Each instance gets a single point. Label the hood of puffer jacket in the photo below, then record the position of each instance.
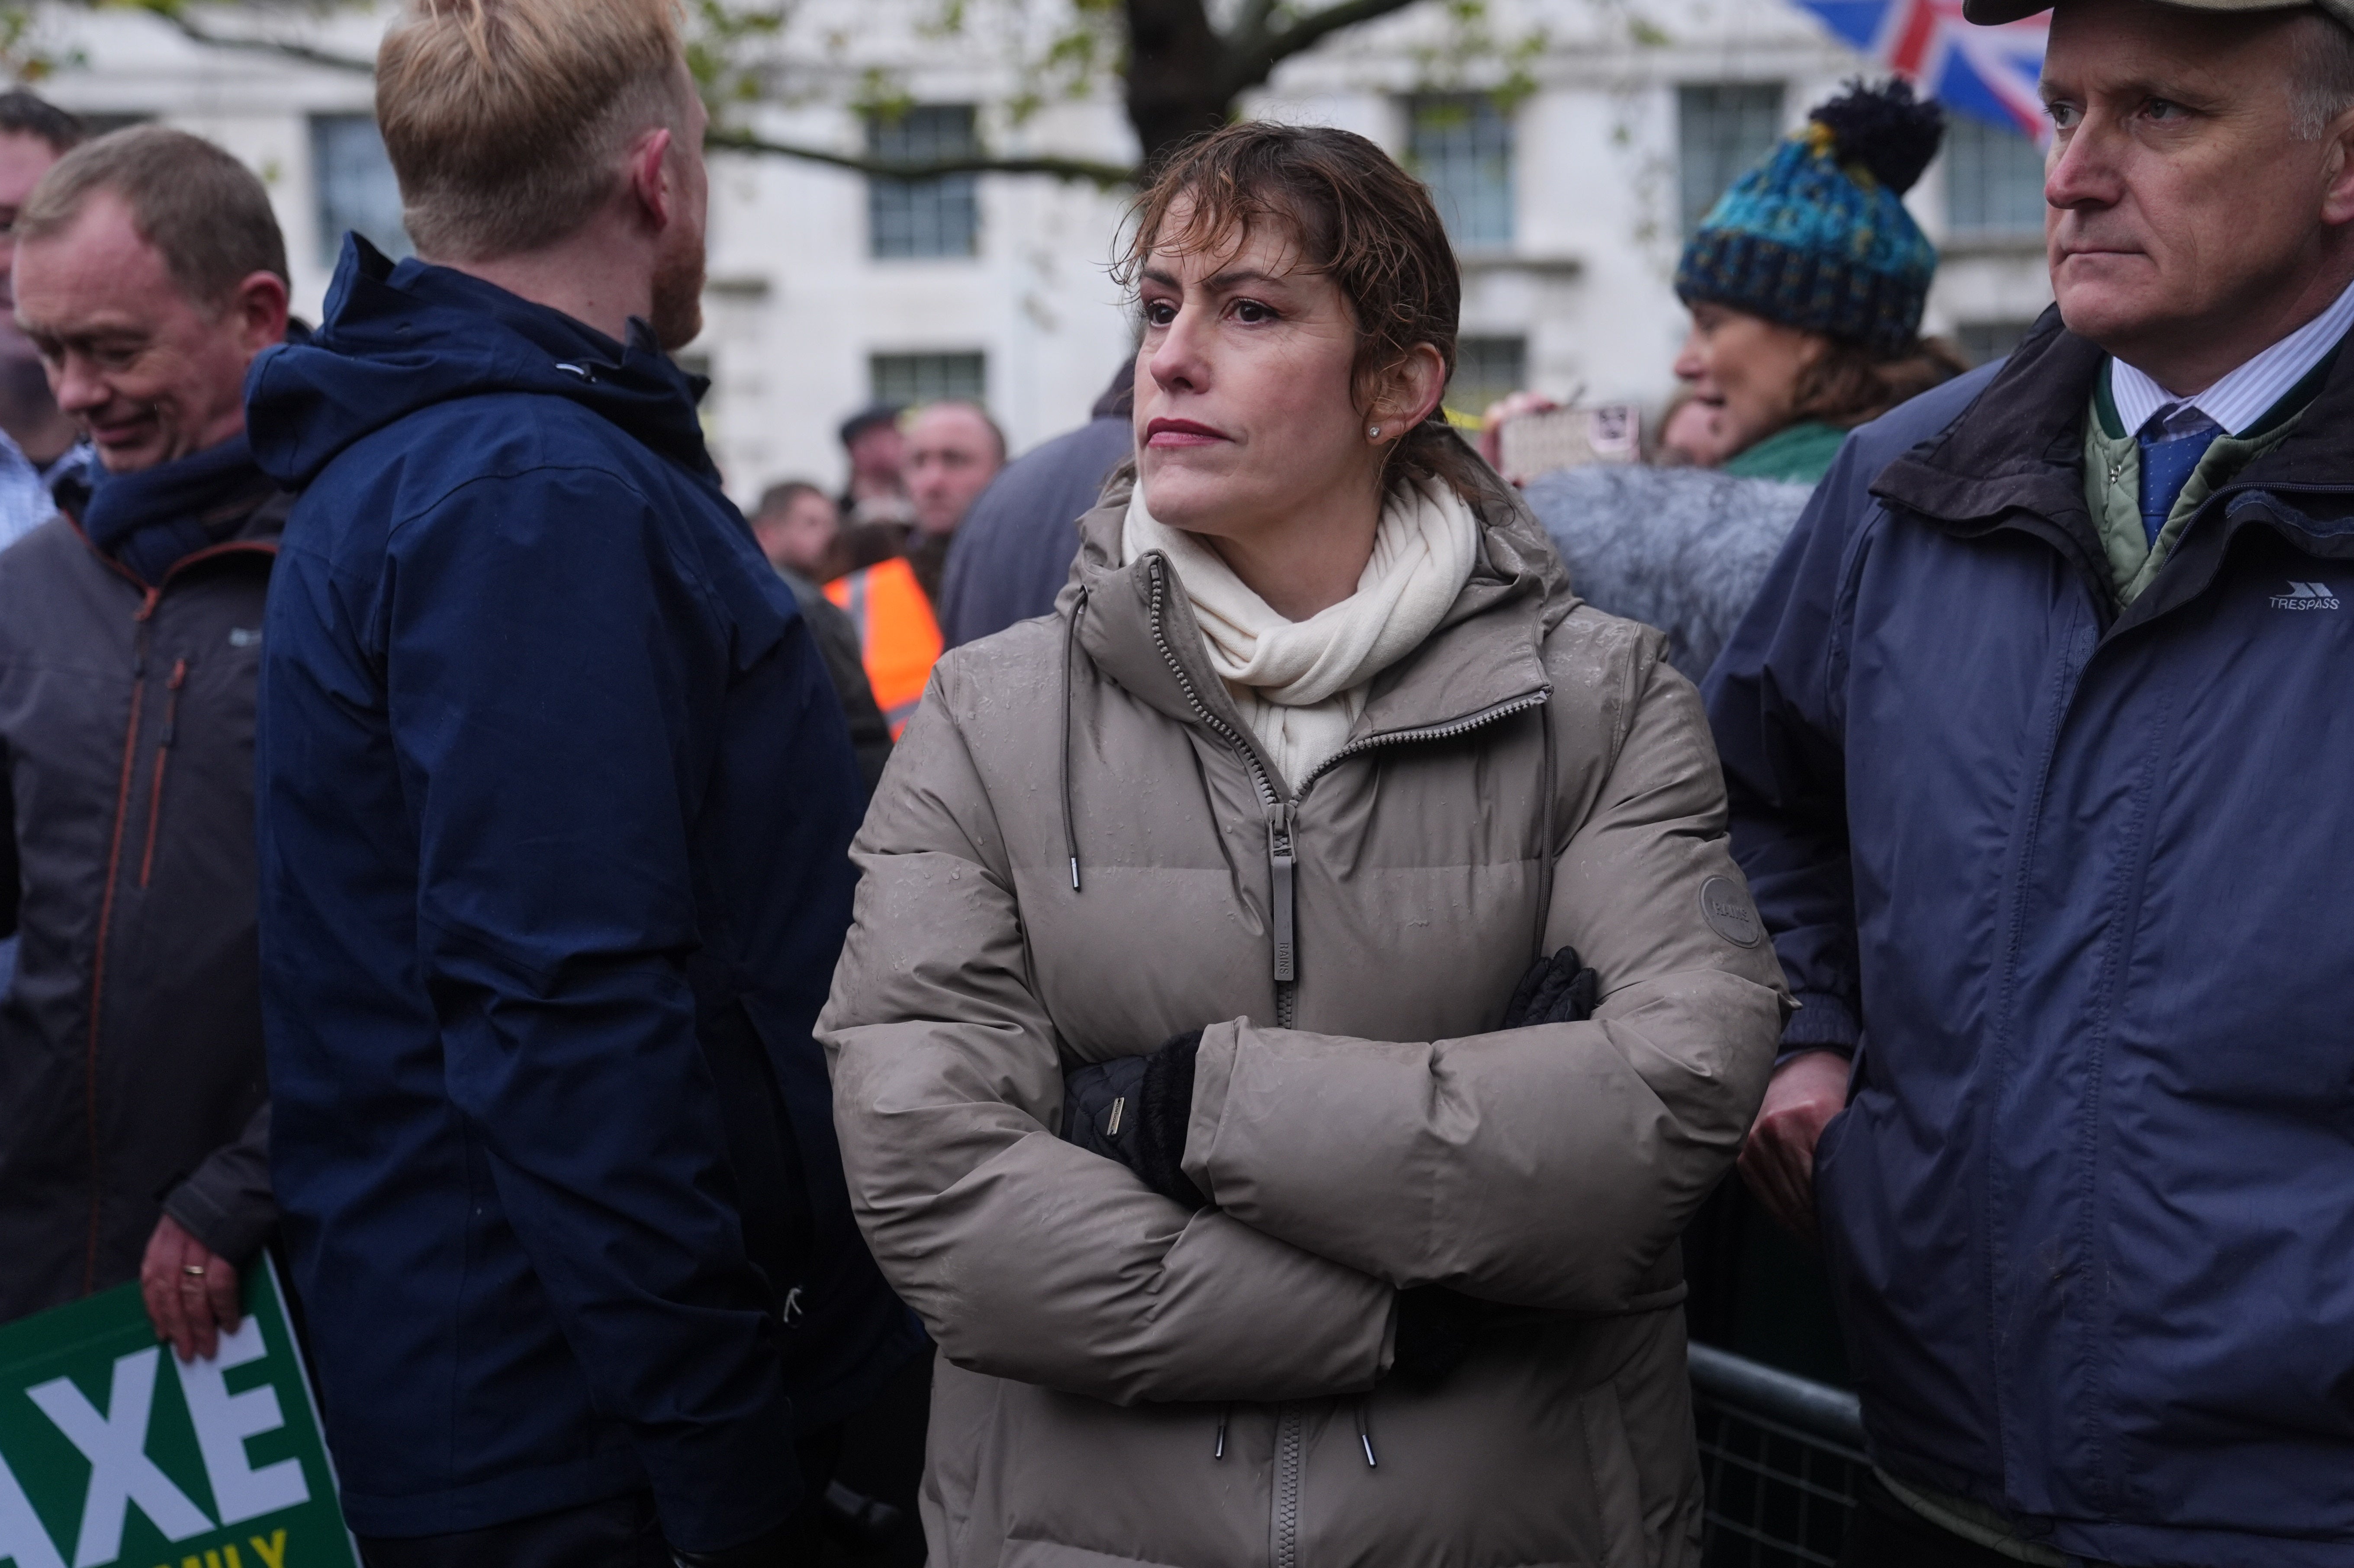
(1486, 651)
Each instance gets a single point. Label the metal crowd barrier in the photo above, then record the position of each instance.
(1782, 1459)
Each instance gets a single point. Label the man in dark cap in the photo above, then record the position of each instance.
(2038, 770)
(877, 491)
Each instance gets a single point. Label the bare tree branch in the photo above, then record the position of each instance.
(1250, 63)
(283, 48)
(1105, 176)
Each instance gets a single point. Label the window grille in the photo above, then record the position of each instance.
(1460, 145)
(1722, 128)
(354, 185)
(1994, 182)
(908, 379)
(937, 217)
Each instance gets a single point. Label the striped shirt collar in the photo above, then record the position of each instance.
(2243, 397)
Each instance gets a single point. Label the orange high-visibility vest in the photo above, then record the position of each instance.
(898, 641)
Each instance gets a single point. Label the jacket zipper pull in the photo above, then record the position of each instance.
(179, 678)
(1279, 868)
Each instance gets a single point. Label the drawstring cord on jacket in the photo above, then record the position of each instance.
(1545, 845)
(1070, 832)
(1225, 1413)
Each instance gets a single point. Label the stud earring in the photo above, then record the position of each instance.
(1374, 431)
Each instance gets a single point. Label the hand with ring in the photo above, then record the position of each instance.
(190, 1290)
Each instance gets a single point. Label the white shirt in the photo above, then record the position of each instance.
(2238, 401)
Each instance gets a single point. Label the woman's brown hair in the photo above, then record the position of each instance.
(1848, 385)
(1355, 218)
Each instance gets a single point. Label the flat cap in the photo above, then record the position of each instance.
(1994, 12)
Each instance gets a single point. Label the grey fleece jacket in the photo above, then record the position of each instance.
(1683, 550)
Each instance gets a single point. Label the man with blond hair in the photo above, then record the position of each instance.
(554, 800)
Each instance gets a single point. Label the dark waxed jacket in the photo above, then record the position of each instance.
(131, 1059)
(556, 797)
(2074, 877)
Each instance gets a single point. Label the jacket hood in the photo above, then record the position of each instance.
(401, 338)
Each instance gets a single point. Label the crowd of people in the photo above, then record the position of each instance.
(1196, 997)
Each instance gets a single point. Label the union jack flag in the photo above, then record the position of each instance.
(1988, 73)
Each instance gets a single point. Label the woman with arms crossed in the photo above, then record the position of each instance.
(1202, 1078)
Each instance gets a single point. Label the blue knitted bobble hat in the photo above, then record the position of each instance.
(1817, 236)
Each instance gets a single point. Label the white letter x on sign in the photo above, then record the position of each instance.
(121, 1473)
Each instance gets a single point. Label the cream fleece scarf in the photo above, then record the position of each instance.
(1302, 683)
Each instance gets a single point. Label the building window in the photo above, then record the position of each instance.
(1460, 145)
(938, 216)
(1486, 368)
(1722, 128)
(927, 378)
(357, 189)
(1984, 342)
(1994, 181)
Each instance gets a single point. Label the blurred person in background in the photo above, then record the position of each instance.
(1013, 553)
(953, 451)
(134, 1111)
(38, 439)
(800, 531)
(1692, 433)
(1215, 1070)
(556, 797)
(877, 490)
(1806, 284)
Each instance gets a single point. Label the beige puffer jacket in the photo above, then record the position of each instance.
(1124, 1383)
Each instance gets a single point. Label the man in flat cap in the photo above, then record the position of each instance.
(2040, 745)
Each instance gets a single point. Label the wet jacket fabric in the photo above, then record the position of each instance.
(2066, 871)
(1124, 1381)
(555, 797)
(131, 1078)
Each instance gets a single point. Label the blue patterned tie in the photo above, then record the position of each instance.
(2168, 457)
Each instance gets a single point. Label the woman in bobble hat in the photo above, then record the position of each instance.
(1806, 283)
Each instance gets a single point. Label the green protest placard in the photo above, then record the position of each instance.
(114, 1451)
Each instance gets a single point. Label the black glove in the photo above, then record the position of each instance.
(1558, 990)
(1436, 1330)
(1135, 1110)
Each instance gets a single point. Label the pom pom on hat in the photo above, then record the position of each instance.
(1885, 128)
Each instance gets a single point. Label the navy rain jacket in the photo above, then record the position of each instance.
(555, 797)
(2074, 879)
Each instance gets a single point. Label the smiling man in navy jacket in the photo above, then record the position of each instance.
(554, 800)
(2039, 749)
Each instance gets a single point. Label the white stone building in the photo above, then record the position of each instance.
(1568, 203)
